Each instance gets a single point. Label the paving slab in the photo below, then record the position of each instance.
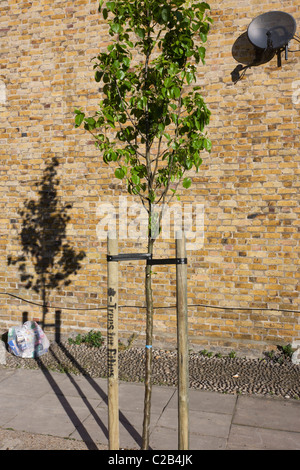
(200, 422)
(207, 401)
(10, 406)
(31, 383)
(167, 438)
(254, 438)
(131, 396)
(54, 415)
(83, 386)
(271, 413)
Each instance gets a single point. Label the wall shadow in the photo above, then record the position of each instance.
(248, 55)
(47, 259)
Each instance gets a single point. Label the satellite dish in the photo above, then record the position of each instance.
(272, 31)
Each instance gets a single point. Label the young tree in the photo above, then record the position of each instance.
(151, 121)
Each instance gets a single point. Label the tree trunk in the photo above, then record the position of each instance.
(148, 358)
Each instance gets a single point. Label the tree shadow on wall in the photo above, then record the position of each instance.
(47, 260)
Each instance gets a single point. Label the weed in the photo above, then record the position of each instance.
(270, 354)
(203, 352)
(283, 353)
(92, 338)
(286, 350)
(206, 353)
(130, 340)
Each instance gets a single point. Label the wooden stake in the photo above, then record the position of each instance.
(182, 345)
(112, 345)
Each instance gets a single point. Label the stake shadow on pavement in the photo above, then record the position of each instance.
(86, 437)
(84, 434)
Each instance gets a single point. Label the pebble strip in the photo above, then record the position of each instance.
(277, 376)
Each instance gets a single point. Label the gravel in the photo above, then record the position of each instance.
(276, 376)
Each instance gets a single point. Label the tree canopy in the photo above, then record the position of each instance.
(151, 120)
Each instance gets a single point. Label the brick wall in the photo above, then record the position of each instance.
(249, 184)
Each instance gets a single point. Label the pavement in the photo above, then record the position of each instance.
(63, 409)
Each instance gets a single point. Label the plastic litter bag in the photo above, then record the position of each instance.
(28, 340)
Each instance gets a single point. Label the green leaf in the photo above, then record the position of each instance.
(110, 5)
(100, 5)
(135, 179)
(187, 183)
(188, 164)
(207, 144)
(120, 74)
(189, 77)
(109, 117)
(161, 127)
(165, 14)
(119, 173)
(140, 32)
(176, 92)
(116, 27)
(201, 51)
(90, 123)
(126, 61)
(98, 75)
(168, 82)
(79, 118)
(197, 161)
(203, 37)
